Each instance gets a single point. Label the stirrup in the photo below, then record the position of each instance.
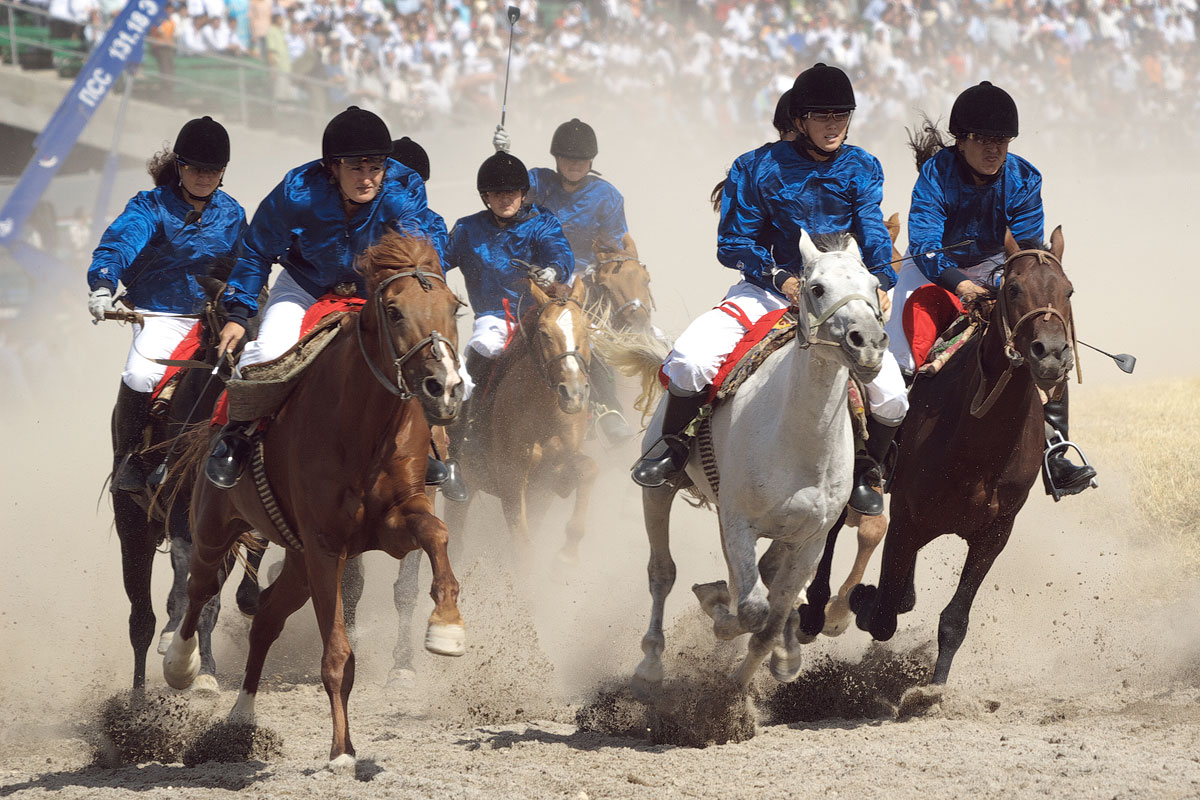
(613, 425)
(454, 487)
(1059, 447)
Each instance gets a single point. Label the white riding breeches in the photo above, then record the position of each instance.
(156, 337)
(488, 339)
(281, 322)
(908, 281)
(703, 347)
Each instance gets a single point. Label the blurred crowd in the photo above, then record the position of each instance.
(1086, 63)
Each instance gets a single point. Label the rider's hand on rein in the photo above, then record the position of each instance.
(100, 301)
(231, 334)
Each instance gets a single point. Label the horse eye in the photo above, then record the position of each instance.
(394, 314)
(817, 290)
(1013, 290)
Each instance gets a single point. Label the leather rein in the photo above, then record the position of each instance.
(399, 387)
(981, 405)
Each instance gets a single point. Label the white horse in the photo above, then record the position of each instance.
(783, 451)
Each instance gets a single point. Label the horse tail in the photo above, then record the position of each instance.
(635, 354)
(926, 140)
(191, 448)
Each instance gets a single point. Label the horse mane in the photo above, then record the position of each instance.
(925, 140)
(396, 250)
(831, 242)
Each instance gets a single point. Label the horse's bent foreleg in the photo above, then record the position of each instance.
(248, 588)
(584, 471)
(337, 661)
(445, 633)
(870, 533)
(785, 663)
(745, 586)
(656, 510)
(952, 627)
(138, 541)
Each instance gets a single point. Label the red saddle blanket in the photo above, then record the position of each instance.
(184, 351)
(325, 305)
(755, 334)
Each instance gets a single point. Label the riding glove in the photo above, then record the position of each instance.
(500, 140)
(100, 301)
(545, 276)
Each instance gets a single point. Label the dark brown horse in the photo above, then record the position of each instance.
(971, 446)
(345, 464)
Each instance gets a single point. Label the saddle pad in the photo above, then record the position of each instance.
(182, 352)
(771, 332)
(951, 340)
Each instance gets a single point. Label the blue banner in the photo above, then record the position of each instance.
(121, 47)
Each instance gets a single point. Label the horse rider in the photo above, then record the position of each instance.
(974, 189)
(315, 223)
(591, 210)
(492, 248)
(160, 244)
(816, 183)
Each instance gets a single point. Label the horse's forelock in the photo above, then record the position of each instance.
(396, 251)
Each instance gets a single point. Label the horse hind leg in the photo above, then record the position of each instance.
(138, 537)
(656, 511)
(248, 588)
(871, 531)
(404, 597)
(585, 471)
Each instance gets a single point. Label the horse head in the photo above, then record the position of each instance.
(623, 284)
(559, 344)
(412, 311)
(839, 306)
(1033, 302)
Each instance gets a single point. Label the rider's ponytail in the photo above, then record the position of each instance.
(926, 140)
(163, 168)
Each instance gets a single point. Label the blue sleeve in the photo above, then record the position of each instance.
(456, 248)
(868, 224)
(1026, 218)
(435, 226)
(742, 220)
(927, 225)
(124, 240)
(551, 249)
(612, 225)
(415, 216)
(266, 240)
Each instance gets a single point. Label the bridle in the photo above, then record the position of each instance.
(980, 405)
(540, 362)
(399, 388)
(629, 305)
(813, 323)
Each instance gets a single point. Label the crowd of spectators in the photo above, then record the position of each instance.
(1089, 62)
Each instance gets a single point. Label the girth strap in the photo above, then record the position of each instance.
(258, 469)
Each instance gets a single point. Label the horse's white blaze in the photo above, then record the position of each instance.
(243, 709)
(452, 377)
(566, 324)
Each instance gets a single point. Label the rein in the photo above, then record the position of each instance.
(399, 388)
(981, 405)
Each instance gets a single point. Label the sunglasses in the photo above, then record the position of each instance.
(372, 162)
(827, 116)
(191, 168)
(990, 141)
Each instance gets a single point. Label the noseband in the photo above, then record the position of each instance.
(399, 388)
(814, 323)
(540, 362)
(979, 405)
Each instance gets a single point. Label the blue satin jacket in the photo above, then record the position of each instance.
(593, 212)
(769, 198)
(484, 252)
(149, 249)
(948, 207)
(301, 224)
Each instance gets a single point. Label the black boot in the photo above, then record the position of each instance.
(229, 455)
(669, 454)
(1059, 475)
(868, 471)
(130, 416)
(454, 487)
(436, 471)
(610, 416)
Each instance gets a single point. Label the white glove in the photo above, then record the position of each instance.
(500, 140)
(99, 301)
(545, 276)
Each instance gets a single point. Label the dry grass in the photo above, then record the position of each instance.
(1151, 433)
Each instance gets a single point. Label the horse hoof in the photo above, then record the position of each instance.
(401, 679)
(862, 598)
(568, 557)
(343, 764)
(446, 640)
(837, 617)
(812, 621)
(164, 642)
(643, 689)
(205, 683)
(712, 595)
(784, 667)
(181, 664)
(918, 700)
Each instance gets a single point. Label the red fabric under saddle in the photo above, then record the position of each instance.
(184, 351)
(325, 305)
(755, 334)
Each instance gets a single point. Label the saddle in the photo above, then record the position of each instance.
(964, 328)
(160, 398)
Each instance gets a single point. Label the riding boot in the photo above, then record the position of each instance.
(454, 487)
(1059, 475)
(130, 417)
(480, 368)
(669, 455)
(229, 455)
(610, 417)
(868, 470)
(436, 471)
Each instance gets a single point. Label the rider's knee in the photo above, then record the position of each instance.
(143, 378)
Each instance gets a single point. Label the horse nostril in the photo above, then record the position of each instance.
(564, 394)
(1037, 349)
(433, 387)
(856, 339)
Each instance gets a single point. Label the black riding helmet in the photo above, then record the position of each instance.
(783, 114)
(576, 140)
(821, 88)
(985, 110)
(203, 143)
(411, 155)
(354, 133)
(502, 172)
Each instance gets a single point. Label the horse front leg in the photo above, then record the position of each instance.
(445, 633)
(871, 531)
(404, 597)
(337, 661)
(746, 588)
(785, 588)
(584, 471)
(138, 541)
(656, 510)
(952, 626)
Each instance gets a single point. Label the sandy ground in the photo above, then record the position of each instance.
(1080, 676)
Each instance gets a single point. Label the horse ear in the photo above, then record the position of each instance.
(852, 248)
(893, 226)
(1010, 244)
(540, 297)
(808, 251)
(1056, 243)
(578, 291)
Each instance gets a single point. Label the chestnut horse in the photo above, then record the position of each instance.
(345, 462)
(618, 290)
(531, 433)
(971, 446)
